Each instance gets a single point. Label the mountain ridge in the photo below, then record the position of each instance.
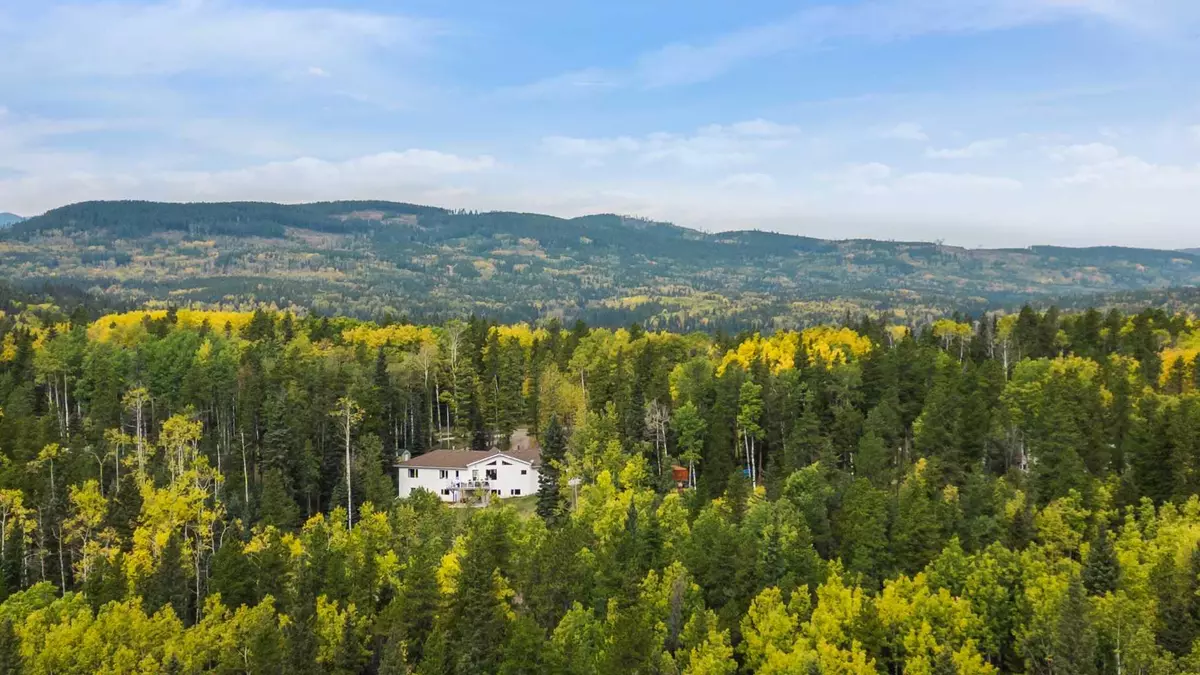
(376, 257)
(7, 219)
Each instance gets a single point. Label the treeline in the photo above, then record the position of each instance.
(978, 495)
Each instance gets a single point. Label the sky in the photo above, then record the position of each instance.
(975, 122)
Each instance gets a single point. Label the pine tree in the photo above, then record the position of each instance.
(395, 658)
(943, 663)
(275, 504)
(106, 582)
(376, 484)
(479, 625)
(232, 575)
(10, 649)
(1075, 646)
(1101, 571)
(168, 583)
(554, 451)
(861, 525)
(523, 652)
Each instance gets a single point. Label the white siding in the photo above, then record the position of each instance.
(429, 479)
(513, 478)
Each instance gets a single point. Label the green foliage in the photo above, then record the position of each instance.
(1015, 495)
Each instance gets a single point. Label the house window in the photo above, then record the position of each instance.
(443, 474)
(412, 473)
(523, 472)
(446, 493)
(456, 474)
(514, 493)
(490, 474)
(506, 463)
(496, 492)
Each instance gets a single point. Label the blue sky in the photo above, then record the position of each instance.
(979, 122)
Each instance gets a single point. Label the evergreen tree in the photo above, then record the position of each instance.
(1075, 647)
(10, 649)
(861, 525)
(106, 583)
(232, 574)
(554, 452)
(943, 663)
(477, 618)
(523, 652)
(275, 504)
(395, 659)
(1101, 571)
(168, 584)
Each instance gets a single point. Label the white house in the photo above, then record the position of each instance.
(458, 475)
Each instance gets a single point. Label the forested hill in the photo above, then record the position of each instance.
(374, 258)
(7, 219)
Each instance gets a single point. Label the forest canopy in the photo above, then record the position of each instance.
(187, 491)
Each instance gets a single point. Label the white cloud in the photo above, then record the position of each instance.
(414, 174)
(856, 174)
(125, 39)
(684, 63)
(712, 145)
(755, 181)
(1085, 153)
(875, 178)
(1194, 132)
(939, 182)
(976, 150)
(568, 146)
(317, 71)
(567, 85)
(906, 131)
(1134, 173)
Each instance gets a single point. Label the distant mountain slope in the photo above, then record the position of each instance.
(1193, 251)
(7, 219)
(369, 258)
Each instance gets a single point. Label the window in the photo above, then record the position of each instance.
(412, 473)
(491, 464)
(446, 493)
(514, 493)
(490, 474)
(443, 474)
(506, 463)
(523, 472)
(496, 492)
(456, 474)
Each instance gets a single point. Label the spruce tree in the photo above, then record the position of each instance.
(168, 583)
(10, 649)
(1101, 571)
(106, 582)
(232, 574)
(1075, 646)
(943, 663)
(275, 504)
(554, 451)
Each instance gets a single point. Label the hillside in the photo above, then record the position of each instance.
(370, 258)
(7, 219)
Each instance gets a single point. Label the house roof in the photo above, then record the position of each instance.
(446, 459)
(522, 447)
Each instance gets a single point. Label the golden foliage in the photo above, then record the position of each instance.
(128, 328)
(401, 337)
